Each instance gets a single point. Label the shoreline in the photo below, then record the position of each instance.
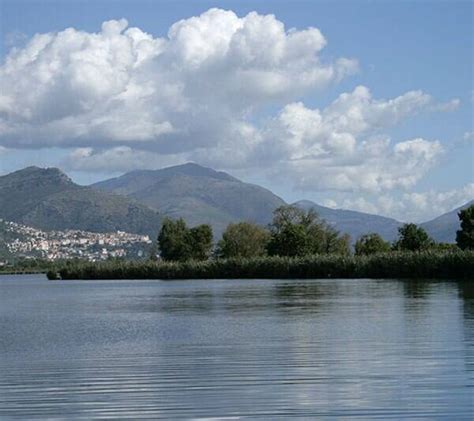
(410, 265)
(25, 272)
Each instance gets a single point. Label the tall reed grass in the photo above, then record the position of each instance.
(427, 264)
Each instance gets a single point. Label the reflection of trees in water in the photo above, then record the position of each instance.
(303, 296)
(416, 294)
(182, 301)
(266, 296)
(296, 292)
(414, 297)
(300, 297)
(419, 289)
(466, 294)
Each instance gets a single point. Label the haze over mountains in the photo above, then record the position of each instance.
(137, 201)
(444, 227)
(353, 222)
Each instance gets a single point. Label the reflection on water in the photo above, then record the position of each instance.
(236, 349)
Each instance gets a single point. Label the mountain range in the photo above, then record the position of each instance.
(50, 200)
(137, 201)
(444, 227)
(197, 194)
(354, 223)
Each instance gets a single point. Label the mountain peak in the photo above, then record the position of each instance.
(34, 173)
(47, 198)
(196, 170)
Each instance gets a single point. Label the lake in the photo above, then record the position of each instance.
(236, 349)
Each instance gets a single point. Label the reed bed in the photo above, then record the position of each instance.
(426, 264)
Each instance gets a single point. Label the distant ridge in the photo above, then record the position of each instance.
(444, 227)
(47, 198)
(197, 194)
(136, 202)
(354, 223)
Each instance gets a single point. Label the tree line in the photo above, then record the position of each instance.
(295, 232)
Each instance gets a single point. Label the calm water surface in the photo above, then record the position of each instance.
(236, 349)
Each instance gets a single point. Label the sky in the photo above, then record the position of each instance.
(364, 105)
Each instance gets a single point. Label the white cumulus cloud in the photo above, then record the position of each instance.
(206, 92)
(175, 93)
(343, 147)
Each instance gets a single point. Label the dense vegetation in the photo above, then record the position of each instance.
(371, 244)
(465, 236)
(177, 242)
(413, 238)
(297, 245)
(243, 240)
(295, 232)
(34, 265)
(426, 264)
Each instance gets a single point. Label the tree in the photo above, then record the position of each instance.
(335, 243)
(173, 240)
(465, 236)
(412, 238)
(287, 215)
(292, 240)
(370, 244)
(295, 232)
(177, 242)
(243, 239)
(201, 242)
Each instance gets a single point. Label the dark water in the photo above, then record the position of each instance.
(236, 349)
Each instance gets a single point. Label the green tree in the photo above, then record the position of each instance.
(334, 243)
(295, 232)
(412, 238)
(370, 244)
(173, 240)
(465, 236)
(243, 239)
(177, 242)
(200, 238)
(292, 240)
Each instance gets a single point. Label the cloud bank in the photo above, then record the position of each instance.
(219, 89)
(122, 86)
(418, 207)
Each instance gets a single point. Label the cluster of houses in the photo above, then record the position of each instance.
(29, 242)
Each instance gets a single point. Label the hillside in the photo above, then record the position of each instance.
(48, 199)
(444, 227)
(7, 235)
(197, 194)
(354, 223)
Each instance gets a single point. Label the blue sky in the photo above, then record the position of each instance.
(399, 47)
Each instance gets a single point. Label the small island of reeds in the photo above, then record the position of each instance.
(426, 264)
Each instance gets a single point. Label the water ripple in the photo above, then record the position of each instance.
(236, 350)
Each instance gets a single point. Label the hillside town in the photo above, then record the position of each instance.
(28, 242)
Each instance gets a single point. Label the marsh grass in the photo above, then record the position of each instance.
(426, 264)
